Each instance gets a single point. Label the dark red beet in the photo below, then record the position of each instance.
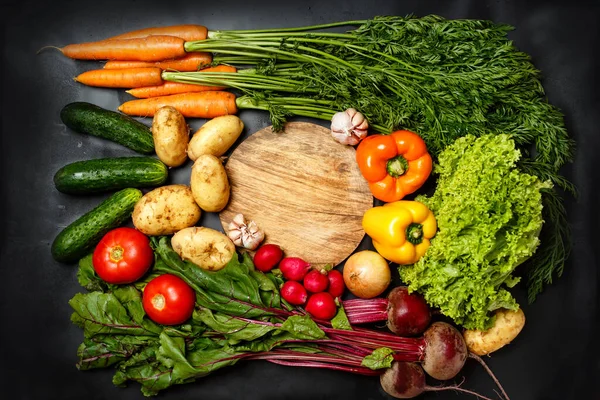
(405, 380)
(321, 306)
(294, 268)
(336, 283)
(316, 281)
(445, 351)
(408, 313)
(294, 293)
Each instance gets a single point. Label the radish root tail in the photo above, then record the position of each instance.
(490, 373)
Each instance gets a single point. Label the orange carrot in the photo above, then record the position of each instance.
(191, 62)
(151, 48)
(121, 78)
(168, 88)
(191, 105)
(186, 32)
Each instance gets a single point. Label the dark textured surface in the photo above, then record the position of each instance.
(553, 358)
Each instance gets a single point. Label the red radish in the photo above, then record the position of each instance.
(267, 257)
(336, 283)
(316, 281)
(294, 268)
(294, 293)
(407, 314)
(321, 306)
(405, 380)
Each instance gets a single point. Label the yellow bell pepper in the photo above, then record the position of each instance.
(400, 230)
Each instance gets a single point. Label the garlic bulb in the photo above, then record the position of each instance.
(245, 234)
(349, 127)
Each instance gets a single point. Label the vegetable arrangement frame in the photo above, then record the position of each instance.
(364, 386)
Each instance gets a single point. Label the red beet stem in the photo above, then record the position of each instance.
(313, 364)
(364, 311)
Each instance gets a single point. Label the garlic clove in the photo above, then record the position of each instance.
(349, 127)
(245, 234)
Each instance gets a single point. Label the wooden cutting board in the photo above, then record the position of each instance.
(303, 188)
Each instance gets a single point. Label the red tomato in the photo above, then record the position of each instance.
(122, 256)
(168, 300)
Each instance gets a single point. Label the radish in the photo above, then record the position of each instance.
(294, 268)
(316, 281)
(406, 314)
(321, 306)
(294, 293)
(267, 257)
(405, 380)
(336, 283)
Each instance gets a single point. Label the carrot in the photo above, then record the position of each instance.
(186, 32)
(191, 62)
(121, 78)
(168, 88)
(151, 48)
(191, 105)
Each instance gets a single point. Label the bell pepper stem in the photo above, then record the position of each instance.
(414, 233)
(397, 166)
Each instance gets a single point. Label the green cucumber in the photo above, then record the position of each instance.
(77, 239)
(108, 174)
(120, 128)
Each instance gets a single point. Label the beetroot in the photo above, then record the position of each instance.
(321, 306)
(405, 380)
(267, 257)
(336, 283)
(294, 293)
(445, 351)
(316, 281)
(294, 268)
(407, 314)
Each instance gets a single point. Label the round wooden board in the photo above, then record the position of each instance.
(303, 188)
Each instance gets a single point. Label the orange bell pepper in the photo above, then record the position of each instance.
(395, 165)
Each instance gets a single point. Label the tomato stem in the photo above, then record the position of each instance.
(158, 301)
(116, 254)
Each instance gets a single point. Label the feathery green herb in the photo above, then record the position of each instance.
(443, 79)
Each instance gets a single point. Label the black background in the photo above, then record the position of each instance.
(553, 358)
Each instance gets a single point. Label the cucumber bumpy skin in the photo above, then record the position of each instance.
(88, 118)
(74, 242)
(109, 174)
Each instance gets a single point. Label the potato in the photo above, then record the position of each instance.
(215, 137)
(507, 326)
(171, 136)
(209, 183)
(207, 248)
(166, 210)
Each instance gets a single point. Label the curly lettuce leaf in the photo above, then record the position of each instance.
(489, 217)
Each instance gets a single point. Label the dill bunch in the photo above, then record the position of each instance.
(441, 78)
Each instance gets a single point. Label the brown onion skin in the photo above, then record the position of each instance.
(445, 351)
(408, 313)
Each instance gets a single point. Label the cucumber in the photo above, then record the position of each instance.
(120, 128)
(77, 239)
(108, 174)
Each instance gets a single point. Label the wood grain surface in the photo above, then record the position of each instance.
(303, 188)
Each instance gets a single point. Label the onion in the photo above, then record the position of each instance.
(367, 274)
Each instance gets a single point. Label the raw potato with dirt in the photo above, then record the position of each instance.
(166, 210)
(216, 136)
(171, 136)
(209, 182)
(207, 248)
